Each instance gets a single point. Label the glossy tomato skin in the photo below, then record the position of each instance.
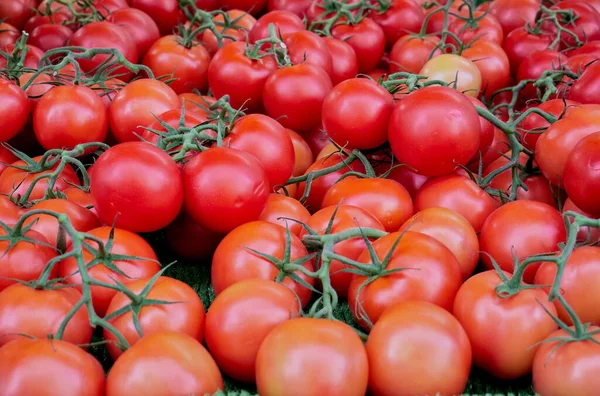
(240, 318)
(254, 7)
(232, 73)
(433, 129)
(585, 234)
(456, 71)
(303, 156)
(50, 36)
(70, 115)
(191, 241)
(329, 353)
(67, 369)
(139, 26)
(17, 12)
(32, 57)
(402, 18)
(245, 22)
(297, 7)
(435, 276)
(149, 367)
(294, 96)
(218, 204)
(413, 337)
(488, 29)
(356, 113)
(521, 228)
(165, 13)
(137, 185)
(514, 14)
(8, 34)
(233, 262)
(307, 47)
(534, 65)
(409, 54)
(367, 39)
(519, 43)
(188, 66)
(124, 243)
(15, 109)
(493, 64)
(534, 125)
(586, 26)
(345, 63)
(285, 23)
(486, 132)
(567, 369)
(503, 331)
(585, 88)
(281, 208)
(184, 314)
(39, 313)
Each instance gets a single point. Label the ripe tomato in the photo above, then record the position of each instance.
(409, 179)
(456, 71)
(218, 204)
(584, 89)
(165, 13)
(294, 96)
(344, 61)
(434, 129)
(183, 313)
(254, 7)
(191, 241)
(284, 22)
(435, 22)
(297, 7)
(188, 66)
(8, 34)
(367, 39)
(245, 22)
(50, 36)
(140, 27)
(172, 118)
(534, 65)
(585, 23)
(148, 368)
(17, 12)
(233, 73)
(486, 28)
(198, 104)
(15, 109)
(233, 262)
(585, 234)
(7, 158)
(329, 353)
(38, 87)
(67, 369)
(303, 157)
(534, 125)
(567, 368)
(39, 313)
(283, 210)
(486, 129)
(124, 243)
(307, 47)
(407, 341)
(514, 14)
(581, 176)
(356, 113)
(400, 19)
(493, 64)
(521, 228)
(503, 331)
(519, 43)
(431, 273)
(240, 318)
(386, 199)
(139, 204)
(32, 57)
(409, 54)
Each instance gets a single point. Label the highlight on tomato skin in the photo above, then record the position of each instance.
(340, 197)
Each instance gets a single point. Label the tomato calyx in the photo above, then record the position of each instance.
(15, 61)
(558, 19)
(336, 12)
(271, 45)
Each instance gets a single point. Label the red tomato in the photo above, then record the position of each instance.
(514, 14)
(81, 198)
(585, 88)
(302, 153)
(409, 54)
(500, 145)
(486, 129)
(137, 104)
(586, 23)
(486, 28)
(317, 139)
(434, 129)
(297, 7)
(504, 332)
(165, 13)
(218, 204)
(191, 241)
(280, 209)
(188, 66)
(242, 19)
(107, 91)
(519, 43)
(67, 369)
(414, 337)
(140, 27)
(39, 313)
(402, 18)
(7, 158)
(149, 368)
(585, 234)
(521, 228)
(409, 179)
(367, 39)
(138, 186)
(173, 119)
(581, 175)
(492, 62)
(38, 87)
(284, 22)
(329, 353)
(14, 111)
(435, 22)
(50, 36)
(254, 7)
(459, 194)
(345, 63)
(17, 12)
(240, 318)
(534, 65)
(198, 104)
(431, 273)
(534, 125)
(8, 33)
(294, 96)
(307, 47)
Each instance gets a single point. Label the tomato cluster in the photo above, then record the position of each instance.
(392, 195)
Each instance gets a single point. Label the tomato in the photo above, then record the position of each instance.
(191, 241)
(486, 129)
(297, 7)
(242, 19)
(585, 234)
(431, 273)
(317, 139)
(17, 12)
(188, 66)
(283, 210)
(8, 34)
(519, 43)
(294, 96)
(503, 331)
(173, 119)
(456, 71)
(414, 337)
(66, 369)
(240, 318)
(124, 243)
(402, 18)
(50, 36)
(486, 28)
(254, 7)
(81, 198)
(459, 194)
(140, 27)
(534, 65)
(7, 158)
(591, 47)
(105, 35)
(330, 355)
(165, 13)
(534, 125)
(302, 153)
(409, 54)
(218, 204)
(139, 204)
(197, 104)
(584, 88)
(367, 39)
(137, 104)
(183, 312)
(232, 73)
(409, 179)
(434, 122)
(344, 61)
(567, 368)
(39, 313)
(435, 22)
(452, 230)
(581, 176)
(522, 229)
(493, 64)
(148, 368)
(585, 23)
(307, 47)
(15, 109)
(514, 14)
(284, 22)
(21, 179)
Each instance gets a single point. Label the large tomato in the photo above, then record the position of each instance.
(534, 125)
(409, 54)
(240, 318)
(17, 12)
(581, 176)
(235, 259)
(50, 368)
(485, 28)
(503, 331)
(307, 47)
(14, 111)
(330, 355)
(519, 43)
(165, 13)
(367, 39)
(534, 65)
(513, 14)
(284, 23)
(457, 71)
(493, 64)
(283, 210)
(400, 19)
(49, 36)
(343, 56)
(585, 88)
(140, 27)
(585, 23)
(414, 337)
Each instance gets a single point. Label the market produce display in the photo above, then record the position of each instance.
(299, 197)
